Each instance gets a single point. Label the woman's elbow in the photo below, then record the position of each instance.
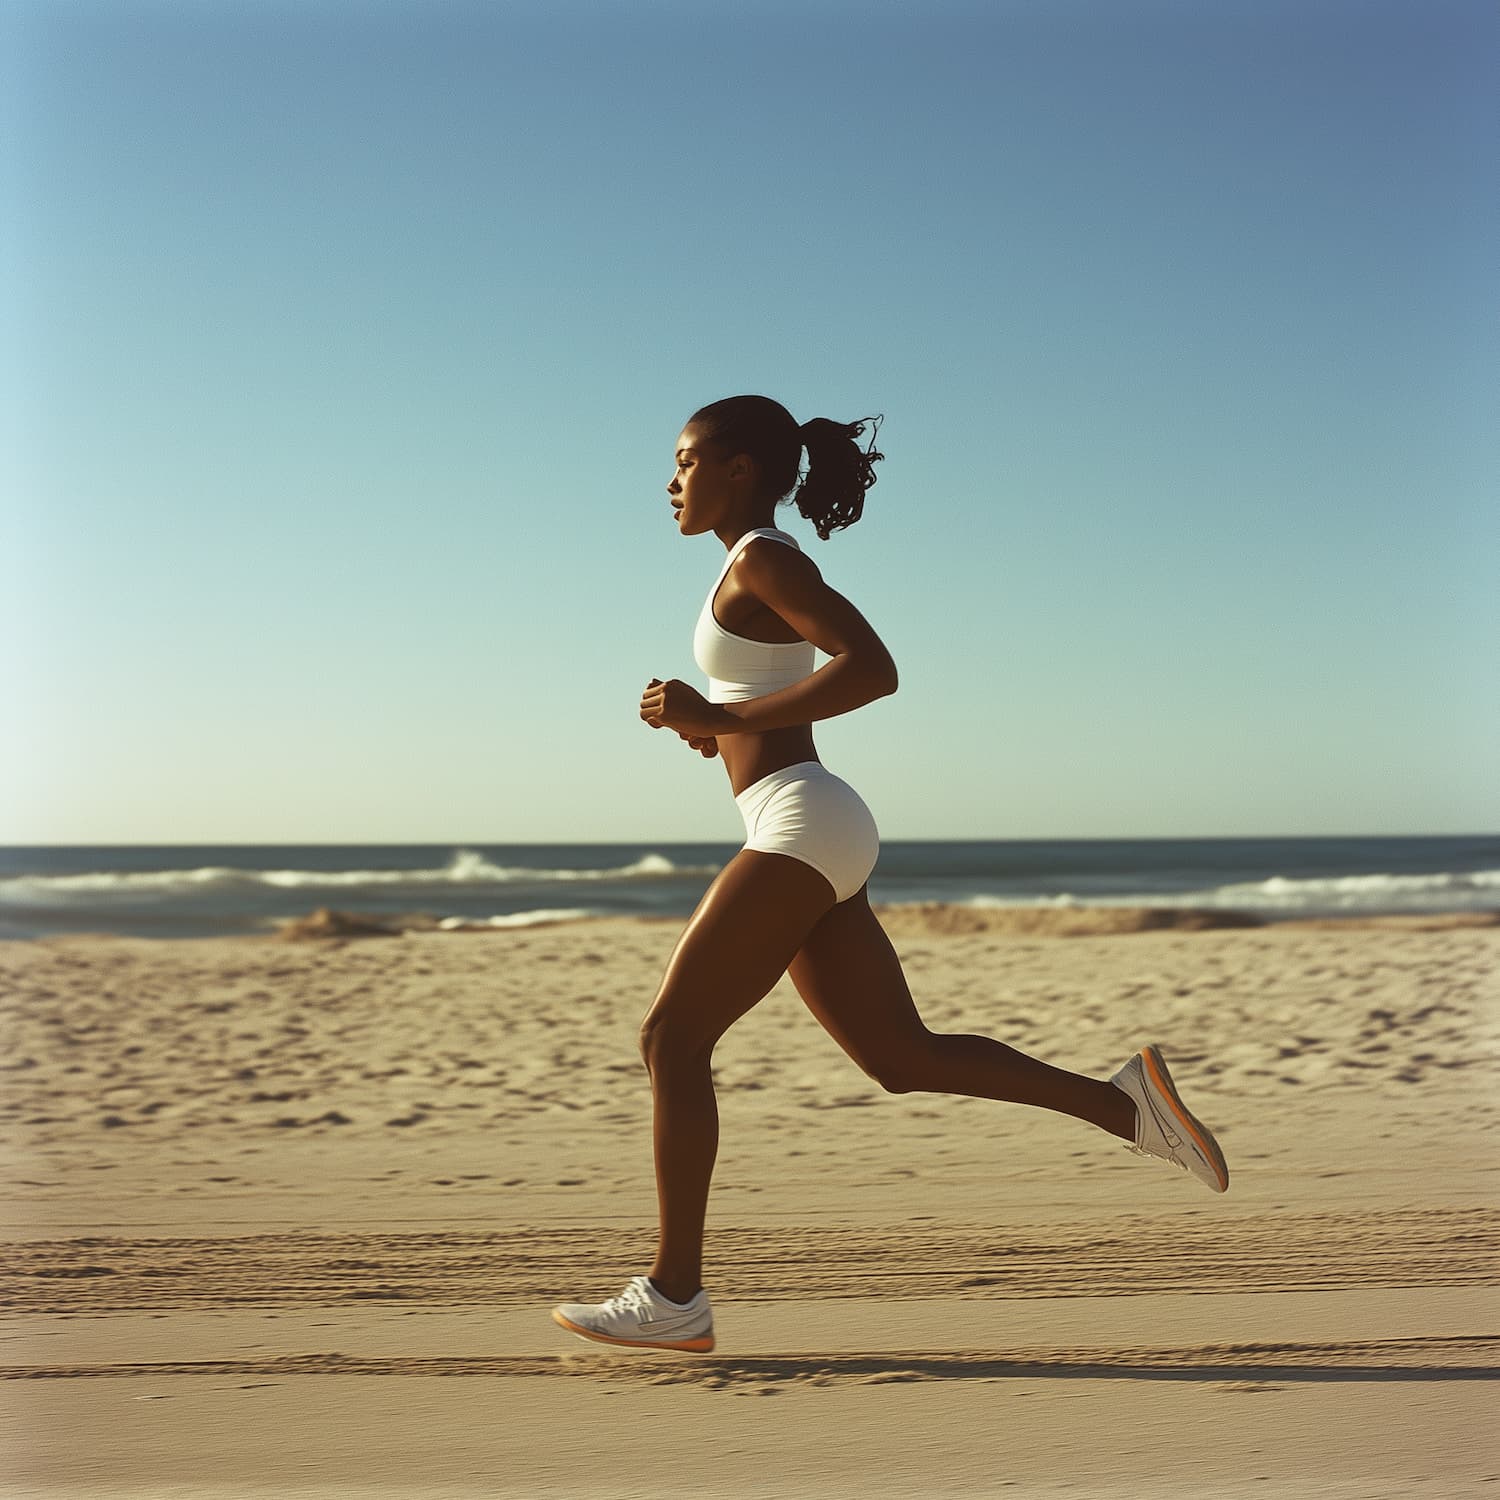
(873, 669)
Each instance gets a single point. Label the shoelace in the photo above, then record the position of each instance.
(634, 1299)
(1181, 1166)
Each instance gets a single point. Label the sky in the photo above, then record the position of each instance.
(344, 347)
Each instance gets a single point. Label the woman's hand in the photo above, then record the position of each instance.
(675, 705)
(706, 745)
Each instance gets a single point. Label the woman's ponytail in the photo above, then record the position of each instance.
(832, 490)
(839, 471)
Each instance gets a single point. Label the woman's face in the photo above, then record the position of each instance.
(704, 486)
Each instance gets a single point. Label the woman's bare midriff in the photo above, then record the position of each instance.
(749, 757)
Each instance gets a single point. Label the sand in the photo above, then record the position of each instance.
(261, 1194)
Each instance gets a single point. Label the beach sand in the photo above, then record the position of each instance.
(261, 1193)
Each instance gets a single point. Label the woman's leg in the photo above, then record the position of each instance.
(756, 915)
(849, 975)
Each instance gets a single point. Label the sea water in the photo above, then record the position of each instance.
(185, 891)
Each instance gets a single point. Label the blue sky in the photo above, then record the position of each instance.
(345, 348)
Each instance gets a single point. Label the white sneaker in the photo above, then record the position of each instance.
(1163, 1126)
(641, 1317)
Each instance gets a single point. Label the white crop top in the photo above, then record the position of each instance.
(737, 667)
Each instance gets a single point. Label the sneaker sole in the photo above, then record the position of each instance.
(703, 1344)
(1161, 1081)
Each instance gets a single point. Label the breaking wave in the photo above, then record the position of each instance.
(1445, 891)
(466, 867)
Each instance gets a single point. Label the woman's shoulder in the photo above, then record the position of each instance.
(768, 563)
(779, 546)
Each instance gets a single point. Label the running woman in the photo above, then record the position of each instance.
(794, 899)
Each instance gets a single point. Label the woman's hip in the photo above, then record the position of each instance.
(806, 811)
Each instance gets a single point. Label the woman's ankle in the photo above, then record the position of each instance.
(678, 1289)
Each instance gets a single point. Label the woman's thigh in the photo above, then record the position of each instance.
(850, 977)
(751, 921)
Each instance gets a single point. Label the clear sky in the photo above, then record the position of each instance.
(345, 346)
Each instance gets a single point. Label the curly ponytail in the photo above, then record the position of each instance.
(832, 492)
(839, 471)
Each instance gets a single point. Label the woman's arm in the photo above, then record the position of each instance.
(861, 670)
(789, 582)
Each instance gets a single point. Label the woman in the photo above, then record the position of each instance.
(794, 898)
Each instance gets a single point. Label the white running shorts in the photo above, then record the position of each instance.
(806, 811)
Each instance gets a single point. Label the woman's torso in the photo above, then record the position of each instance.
(744, 622)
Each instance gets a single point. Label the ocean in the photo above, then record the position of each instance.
(199, 891)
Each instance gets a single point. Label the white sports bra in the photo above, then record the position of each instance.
(737, 667)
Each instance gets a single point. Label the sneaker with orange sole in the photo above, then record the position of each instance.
(641, 1318)
(1164, 1128)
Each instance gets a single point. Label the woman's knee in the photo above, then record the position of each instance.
(666, 1042)
(903, 1070)
(652, 1039)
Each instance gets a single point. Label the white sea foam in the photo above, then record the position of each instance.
(58, 889)
(519, 918)
(466, 867)
(1354, 893)
(1357, 892)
